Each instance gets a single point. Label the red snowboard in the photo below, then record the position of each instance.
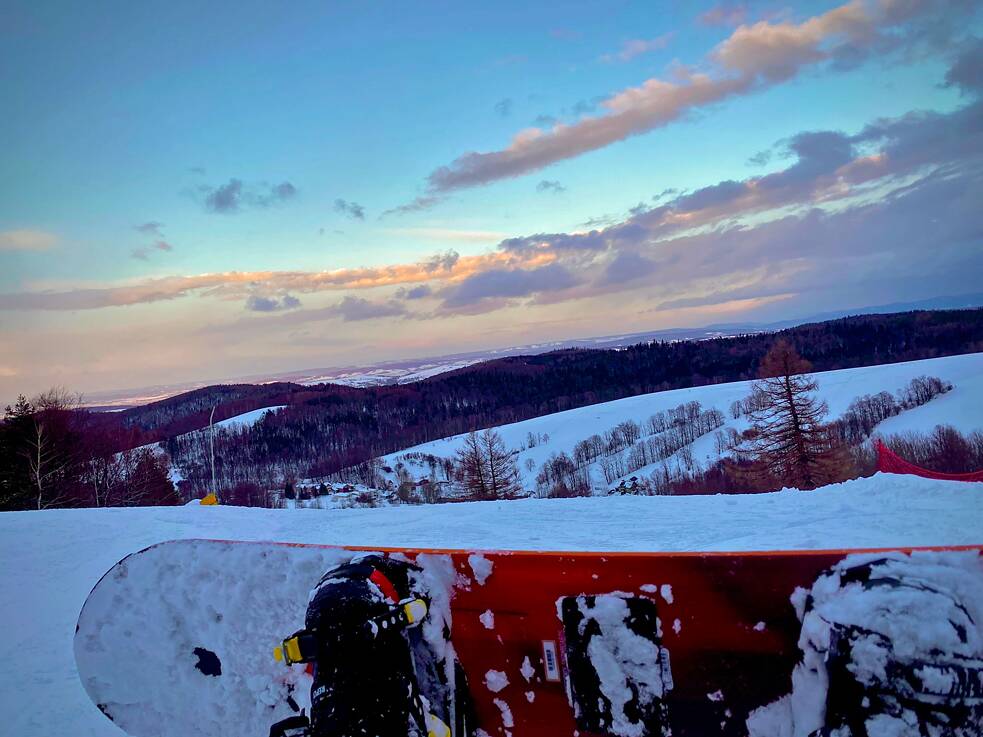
(551, 643)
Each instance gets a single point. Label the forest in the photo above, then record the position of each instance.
(326, 428)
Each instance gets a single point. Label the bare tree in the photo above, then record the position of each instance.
(471, 462)
(46, 451)
(502, 472)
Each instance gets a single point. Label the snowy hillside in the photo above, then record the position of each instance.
(539, 438)
(53, 558)
(247, 419)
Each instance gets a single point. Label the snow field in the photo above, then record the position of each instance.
(52, 559)
(247, 419)
(961, 408)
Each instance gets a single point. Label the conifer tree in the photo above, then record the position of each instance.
(488, 469)
(502, 472)
(471, 462)
(790, 442)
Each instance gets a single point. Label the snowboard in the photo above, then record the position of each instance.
(178, 640)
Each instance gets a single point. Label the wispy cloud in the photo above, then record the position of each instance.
(26, 239)
(144, 252)
(724, 15)
(356, 309)
(259, 303)
(235, 195)
(149, 228)
(424, 202)
(550, 185)
(504, 107)
(897, 199)
(752, 58)
(449, 234)
(508, 283)
(351, 210)
(447, 267)
(637, 46)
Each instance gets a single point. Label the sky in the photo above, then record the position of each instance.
(203, 191)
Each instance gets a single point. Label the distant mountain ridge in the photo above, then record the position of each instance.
(327, 427)
(405, 371)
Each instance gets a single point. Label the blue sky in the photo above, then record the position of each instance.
(277, 143)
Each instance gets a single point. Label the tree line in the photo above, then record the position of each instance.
(329, 429)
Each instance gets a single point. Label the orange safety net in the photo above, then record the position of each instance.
(890, 462)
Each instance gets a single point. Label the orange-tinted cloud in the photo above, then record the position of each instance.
(751, 58)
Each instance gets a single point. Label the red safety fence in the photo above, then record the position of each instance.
(890, 462)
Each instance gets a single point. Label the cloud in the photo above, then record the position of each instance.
(149, 228)
(897, 200)
(967, 71)
(504, 107)
(752, 58)
(143, 253)
(508, 283)
(448, 267)
(26, 239)
(550, 185)
(636, 47)
(762, 158)
(424, 202)
(234, 195)
(199, 170)
(450, 234)
(724, 15)
(441, 262)
(420, 292)
(351, 210)
(258, 303)
(545, 120)
(582, 107)
(225, 198)
(625, 267)
(356, 309)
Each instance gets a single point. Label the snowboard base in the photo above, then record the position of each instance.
(178, 639)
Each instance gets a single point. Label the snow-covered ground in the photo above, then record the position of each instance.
(51, 559)
(560, 432)
(247, 419)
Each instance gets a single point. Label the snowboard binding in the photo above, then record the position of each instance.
(877, 671)
(373, 671)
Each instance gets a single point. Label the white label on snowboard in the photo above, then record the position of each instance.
(551, 666)
(666, 668)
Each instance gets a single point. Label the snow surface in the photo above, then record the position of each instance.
(247, 419)
(560, 432)
(52, 559)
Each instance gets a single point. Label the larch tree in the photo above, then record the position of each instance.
(471, 464)
(487, 468)
(789, 441)
(502, 471)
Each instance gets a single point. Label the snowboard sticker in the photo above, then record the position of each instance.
(178, 639)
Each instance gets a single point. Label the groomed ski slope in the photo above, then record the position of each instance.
(961, 408)
(52, 559)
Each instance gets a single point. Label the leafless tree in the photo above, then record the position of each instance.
(46, 453)
(502, 472)
(790, 442)
(471, 464)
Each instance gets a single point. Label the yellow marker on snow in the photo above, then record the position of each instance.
(210, 500)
